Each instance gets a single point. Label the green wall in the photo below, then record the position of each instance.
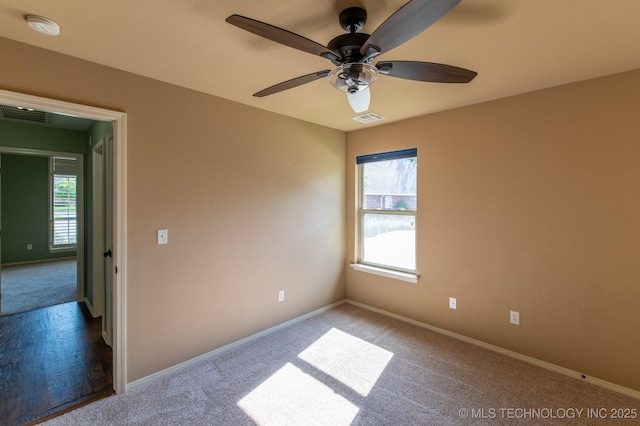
(25, 209)
(18, 135)
(24, 189)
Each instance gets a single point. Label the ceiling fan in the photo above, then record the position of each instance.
(353, 53)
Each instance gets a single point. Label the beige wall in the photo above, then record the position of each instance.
(530, 203)
(254, 203)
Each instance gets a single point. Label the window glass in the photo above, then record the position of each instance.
(389, 240)
(64, 219)
(388, 211)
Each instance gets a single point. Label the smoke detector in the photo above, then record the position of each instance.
(43, 25)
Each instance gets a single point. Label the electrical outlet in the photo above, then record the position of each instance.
(29, 246)
(281, 296)
(452, 303)
(515, 318)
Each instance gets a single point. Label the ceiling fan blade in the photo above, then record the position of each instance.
(406, 23)
(290, 84)
(359, 100)
(426, 71)
(282, 36)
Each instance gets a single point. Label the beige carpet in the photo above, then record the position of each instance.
(349, 366)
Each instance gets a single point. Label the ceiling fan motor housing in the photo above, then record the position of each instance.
(348, 46)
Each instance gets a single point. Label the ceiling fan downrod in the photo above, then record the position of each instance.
(347, 46)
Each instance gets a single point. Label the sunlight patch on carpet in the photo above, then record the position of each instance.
(350, 360)
(290, 396)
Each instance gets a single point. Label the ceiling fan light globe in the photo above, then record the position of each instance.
(353, 77)
(359, 100)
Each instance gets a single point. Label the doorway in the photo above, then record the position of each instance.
(47, 322)
(117, 262)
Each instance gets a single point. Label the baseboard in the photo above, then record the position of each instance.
(90, 307)
(226, 348)
(29, 262)
(543, 364)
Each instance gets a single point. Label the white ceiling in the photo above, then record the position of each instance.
(516, 46)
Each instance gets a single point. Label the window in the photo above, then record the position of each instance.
(63, 230)
(387, 210)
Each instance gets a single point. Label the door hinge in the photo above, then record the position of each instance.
(116, 269)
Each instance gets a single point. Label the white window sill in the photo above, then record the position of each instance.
(402, 276)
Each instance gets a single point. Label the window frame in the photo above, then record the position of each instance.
(66, 172)
(373, 267)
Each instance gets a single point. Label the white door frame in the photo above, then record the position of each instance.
(119, 120)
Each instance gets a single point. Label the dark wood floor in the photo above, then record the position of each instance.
(51, 359)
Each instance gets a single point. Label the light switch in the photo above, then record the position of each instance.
(163, 236)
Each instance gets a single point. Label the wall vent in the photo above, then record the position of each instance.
(23, 114)
(369, 117)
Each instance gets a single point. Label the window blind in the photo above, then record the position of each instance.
(385, 156)
(64, 166)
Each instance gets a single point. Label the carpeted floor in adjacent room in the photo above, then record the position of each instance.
(36, 285)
